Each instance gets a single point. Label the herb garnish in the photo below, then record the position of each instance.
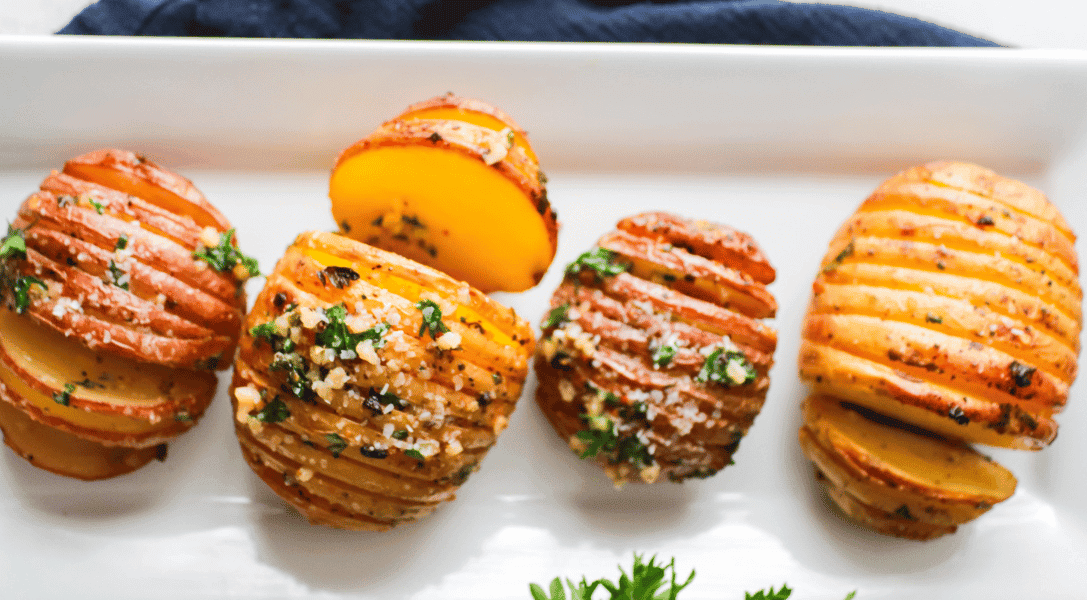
(336, 444)
(400, 434)
(117, 276)
(556, 316)
(931, 318)
(122, 242)
(273, 412)
(14, 244)
(603, 437)
(727, 367)
(335, 334)
(225, 256)
(98, 208)
(837, 262)
(21, 290)
(601, 261)
(63, 397)
(413, 453)
(297, 383)
(432, 319)
(781, 594)
(663, 355)
(646, 581)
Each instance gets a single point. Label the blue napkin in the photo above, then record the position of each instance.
(707, 21)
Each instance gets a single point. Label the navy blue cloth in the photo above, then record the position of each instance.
(707, 21)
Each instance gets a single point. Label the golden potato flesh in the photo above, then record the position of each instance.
(122, 290)
(461, 197)
(907, 475)
(948, 303)
(369, 387)
(653, 359)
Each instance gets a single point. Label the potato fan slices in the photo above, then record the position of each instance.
(111, 323)
(653, 358)
(369, 387)
(454, 184)
(949, 301)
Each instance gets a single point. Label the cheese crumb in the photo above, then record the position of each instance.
(449, 341)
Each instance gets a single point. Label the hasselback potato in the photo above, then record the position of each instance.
(454, 184)
(950, 301)
(123, 291)
(369, 387)
(653, 358)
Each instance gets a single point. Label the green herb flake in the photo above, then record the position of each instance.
(663, 356)
(400, 434)
(413, 453)
(224, 257)
(14, 244)
(98, 208)
(183, 417)
(601, 261)
(336, 444)
(273, 412)
(21, 290)
(122, 243)
(556, 316)
(118, 276)
(336, 335)
(64, 397)
(837, 262)
(726, 367)
(432, 319)
(931, 318)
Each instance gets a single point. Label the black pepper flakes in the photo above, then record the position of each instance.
(956, 414)
(1021, 373)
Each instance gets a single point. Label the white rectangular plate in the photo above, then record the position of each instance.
(782, 143)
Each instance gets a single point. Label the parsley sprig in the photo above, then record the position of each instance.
(663, 355)
(646, 581)
(225, 256)
(556, 316)
(274, 412)
(14, 244)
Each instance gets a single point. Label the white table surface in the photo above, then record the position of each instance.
(1035, 24)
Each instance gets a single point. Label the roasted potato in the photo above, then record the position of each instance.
(950, 301)
(653, 359)
(451, 183)
(122, 290)
(369, 387)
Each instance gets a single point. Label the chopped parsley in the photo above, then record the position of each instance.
(727, 367)
(225, 256)
(14, 244)
(268, 332)
(400, 434)
(601, 261)
(98, 208)
(432, 319)
(273, 412)
(122, 243)
(117, 276)
(335, 334)
(413, 453)
(931, 318)
(602, 438)
(556, 316)
(20, 288)
(837, 262)
(663, 356)
(183, 417)
(297, 382)
(64, 397)
(336, 444)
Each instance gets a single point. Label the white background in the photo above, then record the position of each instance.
(1034, 24)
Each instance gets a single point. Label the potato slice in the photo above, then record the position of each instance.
(907, 475)
(462, 196)
(451, 107)
(94, 395)
(62, 453)
(653, 359)
(369, 387)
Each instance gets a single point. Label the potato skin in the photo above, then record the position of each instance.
(325, 437)
(681, 289)
(950, 301)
